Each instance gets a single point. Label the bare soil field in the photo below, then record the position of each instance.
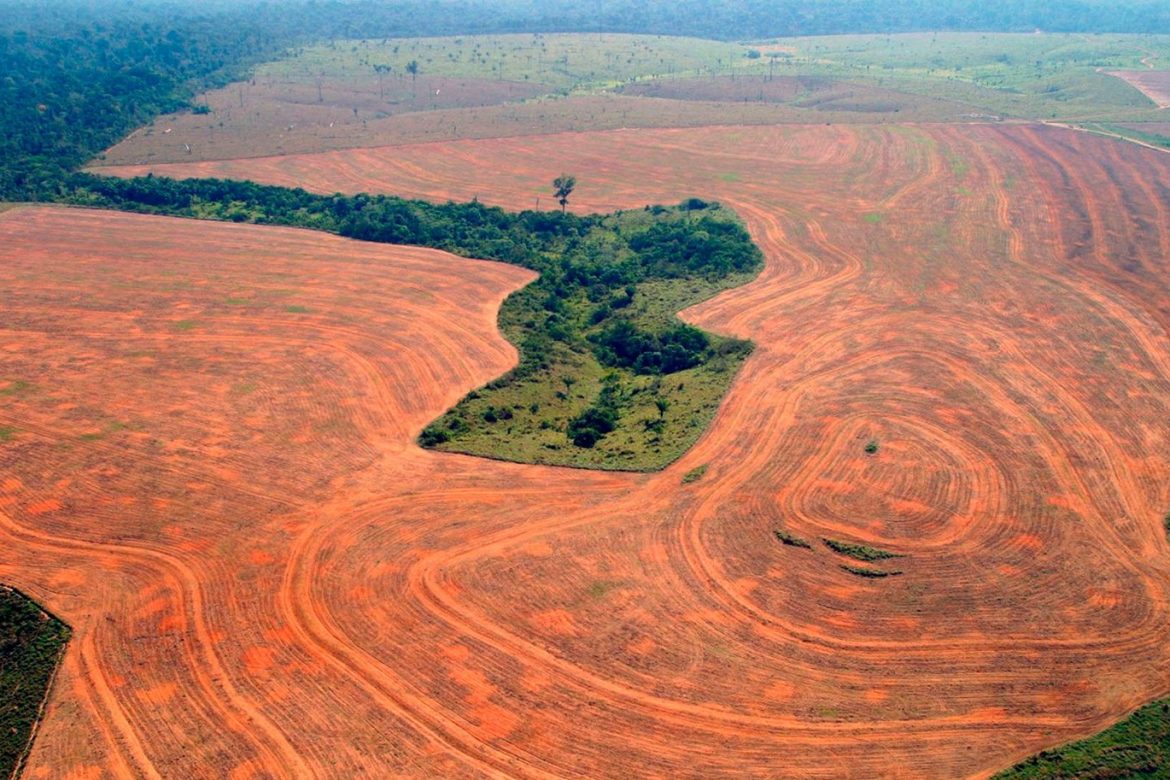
(1154, 84)
(278, 583)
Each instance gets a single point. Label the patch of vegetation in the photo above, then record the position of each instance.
(871, 447)
(695, 474)
(17, 387)
(599, 588)
(608, 375)
(186, 324)
(1166, 524)
(859, 552)
(1138, 746)
(871, 573)
(791, 540)
(31, 643)
(297, 309)
(7, 432)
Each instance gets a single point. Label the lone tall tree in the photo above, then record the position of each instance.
(412, 69)
(564, 188)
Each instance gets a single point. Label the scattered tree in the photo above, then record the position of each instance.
(381, 70)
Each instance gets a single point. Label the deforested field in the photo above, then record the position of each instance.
(923, 536)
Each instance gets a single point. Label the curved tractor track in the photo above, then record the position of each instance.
(266, 576)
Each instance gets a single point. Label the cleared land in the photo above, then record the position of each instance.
(355, 94)
(985, 303)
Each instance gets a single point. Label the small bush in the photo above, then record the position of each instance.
(859, 552)
(790, 540)
(433, 436)
(871, 573)
(695, 474)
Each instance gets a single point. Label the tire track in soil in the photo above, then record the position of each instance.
(971, 327)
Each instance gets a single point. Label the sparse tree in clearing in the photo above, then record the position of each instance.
(564, 188)
(381, 70)
(412, 69)
(661, 404)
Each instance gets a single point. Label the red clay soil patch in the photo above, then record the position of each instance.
(988, 303)
(1154, 84)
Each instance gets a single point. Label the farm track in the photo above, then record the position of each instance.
(266, 576)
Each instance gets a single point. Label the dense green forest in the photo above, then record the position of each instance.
(30, 646)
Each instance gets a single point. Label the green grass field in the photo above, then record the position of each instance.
(563, 63)
(31, 643)
(1035, 76)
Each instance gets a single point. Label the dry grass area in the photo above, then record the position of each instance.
(195, 138)
(809, 95)
(214, 479)
(273, 117)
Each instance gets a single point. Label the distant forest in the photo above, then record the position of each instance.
(78, 75)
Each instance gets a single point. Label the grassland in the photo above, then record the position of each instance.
(1138, 746)
(562, 63)
(1057, 76)
(31, 643)
(1033, 76)
(359, 93)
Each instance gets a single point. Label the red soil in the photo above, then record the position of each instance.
(327, 599)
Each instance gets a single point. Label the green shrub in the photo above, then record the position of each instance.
(871, 573)
(790, 540)
(859, 552)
